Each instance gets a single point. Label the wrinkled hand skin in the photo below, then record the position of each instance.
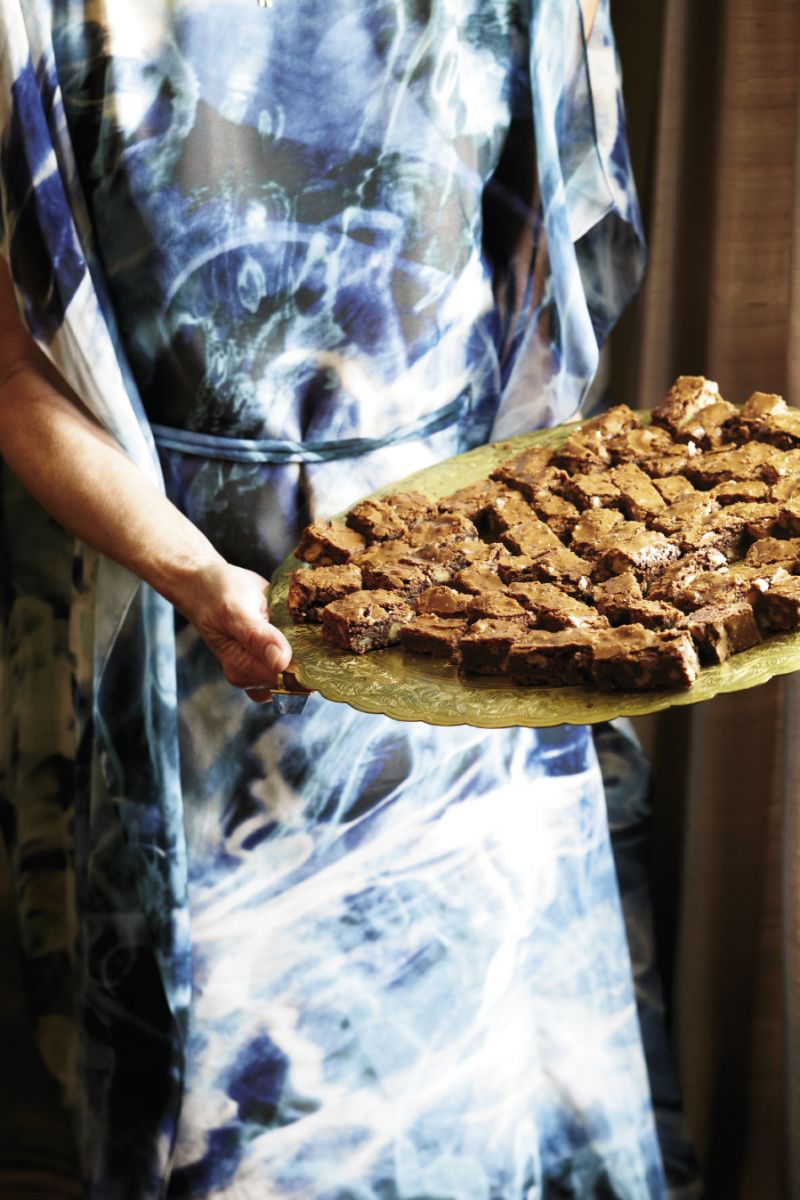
(228, 606)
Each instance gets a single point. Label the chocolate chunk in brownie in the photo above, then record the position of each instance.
(639, 499)
(634, 658)
(591, 491)
(618, 589)
(523, 471)
(719, 630)
(653, 614)
(741, 491)
(328, 543)
(633, 547)
(531, 537)
(772, 549)
(433, 635)
(484, 648)
(310, 591)
(551, 608)
(674, 487)
(472, 501)
(561, 567)
(493, 604)
(480, 578)
(365, 621)
(686, 398)
(441, 601)
(778, 610)
(545, 658)
(594, 525)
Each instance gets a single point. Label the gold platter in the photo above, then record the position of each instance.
(415, 687)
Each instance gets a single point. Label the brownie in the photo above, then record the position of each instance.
(530, 537)
(759, 579)
(365, 621)
(756, 519)
(594, 525)
(441, 528)
(551, 608)
(674, 578)
(328, 543)
(612, 423)
(683, 402)
(772, 549)
(617, 589)
(382, 554)
(561, 515)
(441, 601)
(707, 428)
(686, 518)
(480, 578)
(653, 450)
(633, 547)
(523, 471)
(778, 610)
(380, 520)
(429, 634)
(310, 591)
(493, 604)
(561, 567)
(443, 561)
(484, 647)
(545, 658)
(789, 515)
(582, 454)
(507, 509)
(766, 417)
(396, 577)
(472, 501)
(785, 488)
(639, 499)
(719, 630)
(591, 491)
(741, 491)
(710, 587)
(756, 460)
(633, 658)
(653, 614)
(674, 487)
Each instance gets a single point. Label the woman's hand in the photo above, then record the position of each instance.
(228, 606)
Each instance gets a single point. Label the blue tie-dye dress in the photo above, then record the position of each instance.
(286, 254)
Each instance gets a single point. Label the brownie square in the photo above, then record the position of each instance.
(440, 529)
(707, 428)
(719, 630)
(545, 658)
(633, 547)
(686, 398)
(686, 518)
(494, 605)
(531, 537)
(429, 634)
(778, 610)
(674, 487)
(637, 659)
(767, 418)
(380, 520)
(561, 515)
(479, 578)
(617, 589)
(594, 525)
(653, 450)
(560, 567)
(582, 455)
(759, 579)
(741, 491)
(484, 648)
(789, 515)
(652, 614)
(756, 460)
(310, 591)
(772, 549)
(365, 621)
(550, 608)
(507, 509)
(755, 520)
(396, 577)
(328, 543)
(785, 488)
(591, 491)
(639, 499)
(710, 587)
(523, 471)
(441, 601)
(473, 500)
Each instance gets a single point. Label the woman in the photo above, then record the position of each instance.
(268, 260)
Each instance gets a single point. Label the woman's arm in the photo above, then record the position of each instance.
(79, 474)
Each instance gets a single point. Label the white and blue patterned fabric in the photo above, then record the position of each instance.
(286, 254)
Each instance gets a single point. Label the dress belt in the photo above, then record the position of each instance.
(280, 450)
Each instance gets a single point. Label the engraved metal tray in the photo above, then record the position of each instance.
(416, 687)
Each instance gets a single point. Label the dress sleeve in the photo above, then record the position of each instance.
(590, 253)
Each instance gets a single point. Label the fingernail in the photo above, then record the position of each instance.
(274, 658)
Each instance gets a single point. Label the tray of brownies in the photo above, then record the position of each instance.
(612, 567)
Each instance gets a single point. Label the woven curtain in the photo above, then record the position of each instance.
(712, 92)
